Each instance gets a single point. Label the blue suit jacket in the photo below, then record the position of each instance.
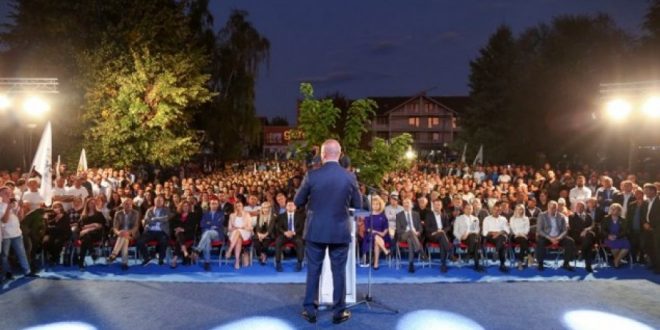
(328, 192)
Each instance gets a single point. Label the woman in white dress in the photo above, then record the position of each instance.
(239, 230)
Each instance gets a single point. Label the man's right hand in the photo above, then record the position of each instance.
(647, 226)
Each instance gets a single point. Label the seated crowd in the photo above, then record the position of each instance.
(458, 210)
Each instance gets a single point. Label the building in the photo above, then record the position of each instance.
(431, 120)
(279, 139)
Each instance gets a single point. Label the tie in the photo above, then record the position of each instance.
(290, 222)
(408, 218)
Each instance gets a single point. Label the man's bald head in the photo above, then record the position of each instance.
(330, 150)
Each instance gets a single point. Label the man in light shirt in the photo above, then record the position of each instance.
(61, 194)
(77, 190)
(32, 198)
(466, 231)
(553, 230)
(12, 236)
(579, 193)
(495, 230)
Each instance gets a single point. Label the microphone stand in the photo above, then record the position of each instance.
(368, 299)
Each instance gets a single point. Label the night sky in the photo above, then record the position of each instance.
(385, 47)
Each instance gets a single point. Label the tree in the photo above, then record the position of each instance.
(318, 121)
(488, 120)
(239, 52)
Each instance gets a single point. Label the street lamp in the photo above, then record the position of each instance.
(410, 154)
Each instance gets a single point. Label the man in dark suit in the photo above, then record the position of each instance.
(625, 198)
(328, 192)
(437, 227)
(651, 220)
(635, 222)
(409, 230)
(289, 228)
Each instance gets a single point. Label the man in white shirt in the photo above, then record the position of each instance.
(32, 198)
(466, 231)
(12, 237)
(495, 230)
(77, 190)
(61, 194)
(579, 193)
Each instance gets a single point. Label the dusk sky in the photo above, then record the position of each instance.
(388, 48)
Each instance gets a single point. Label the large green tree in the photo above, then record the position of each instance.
(239, 52)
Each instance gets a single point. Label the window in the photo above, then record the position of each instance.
(433, 122)
(382, 120)
(413, 121)
(436, 136)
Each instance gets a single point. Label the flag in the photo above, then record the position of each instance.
(43, 162)
(463, 155)
(82, 163)
(255, 167)
(57, 167)
(480, 156)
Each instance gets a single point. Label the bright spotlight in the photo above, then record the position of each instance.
(652, 107)
(618, 109)
(35, 106)
(436, 319)
(596, 320)
(5, 102)
(410, 154)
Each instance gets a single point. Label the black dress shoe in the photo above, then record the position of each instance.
(146, 261)
(443, 268)
(479, 269)
(9, 276)
(541, 267)
(503, 269)
(299, 266)
(161, 262)
(124, 267)
(207, 266)
(411, 268)
(341, 317)
(568, 267)
(589, 269)
(311, 318)
(376, 268)
(31, 274)
(279, 268)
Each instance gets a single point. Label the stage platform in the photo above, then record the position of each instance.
(95, 304)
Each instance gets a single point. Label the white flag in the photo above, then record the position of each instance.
(43, 162)
(463, 155)
(480, 156)
(82, 163)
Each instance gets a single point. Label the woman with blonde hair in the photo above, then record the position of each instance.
(615, 232)
(377, 229)
(239, 230)
(519, 224)
(263, 231)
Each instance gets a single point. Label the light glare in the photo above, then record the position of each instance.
(35, 106)
(618, 109)
(4, 102)
(596, 320)
(652, 107)
(410, 154)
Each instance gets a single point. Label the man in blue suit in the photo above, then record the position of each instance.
(328, 193)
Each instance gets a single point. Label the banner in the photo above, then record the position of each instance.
(480, 156)
(82, 163)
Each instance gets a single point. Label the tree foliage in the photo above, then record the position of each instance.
(319, 120)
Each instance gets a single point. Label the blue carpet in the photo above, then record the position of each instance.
(267, 274)
(621, 305)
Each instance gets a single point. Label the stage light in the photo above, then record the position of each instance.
(5, 102)
(35, 106)
(434, 319)
(64, 326)
(595, 320)
(410, 154)
(652, 107)
(618, 109)
(257, 322)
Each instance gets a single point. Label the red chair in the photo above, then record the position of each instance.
(247, 246)
(492, 248)
(399, 247)
(430, 246)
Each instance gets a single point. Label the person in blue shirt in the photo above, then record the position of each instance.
(211, 225)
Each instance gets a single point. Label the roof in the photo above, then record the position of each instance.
(386, 104)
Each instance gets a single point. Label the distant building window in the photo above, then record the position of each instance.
(433, 122)
(436, 137)
(413, 121)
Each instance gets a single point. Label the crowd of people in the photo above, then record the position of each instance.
(450, 207)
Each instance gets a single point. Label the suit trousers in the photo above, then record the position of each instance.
(524, 247)
(414, 245)
(500, 246)
(261, 246)
(566, 243)
(121, 245)
(204, 244)
(279, 244)
(586, 245)
(472, 242)
(338, 257)
(150, 235)
(443, 241)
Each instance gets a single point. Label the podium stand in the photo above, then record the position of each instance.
(326, 287)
